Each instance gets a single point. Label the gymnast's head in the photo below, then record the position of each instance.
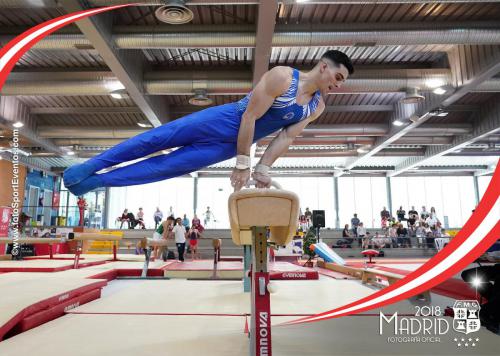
(333, 69)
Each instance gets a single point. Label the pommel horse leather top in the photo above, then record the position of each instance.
(276, 208)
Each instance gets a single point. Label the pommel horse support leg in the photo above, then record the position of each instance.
(147, 244)
(216, 243)
(80, 237)
(251, 212)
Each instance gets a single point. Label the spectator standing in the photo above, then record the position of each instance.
(308, 216)
(197, 223)
(194, 235)
(354, 224)
(157, 216)
(180, 238)
(185, 222)
(208, 216)
(401, 214)
(424, 214)
(384, 216)
(171, 212)
(82, 205)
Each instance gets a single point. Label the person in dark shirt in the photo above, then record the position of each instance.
(354, 224)
(347, 238)
(401, 214)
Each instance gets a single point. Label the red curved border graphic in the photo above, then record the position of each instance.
(490, 199)
(16, 48)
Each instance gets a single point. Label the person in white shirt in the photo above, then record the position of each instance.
(180, 238)
(432, 220)
(360, 232)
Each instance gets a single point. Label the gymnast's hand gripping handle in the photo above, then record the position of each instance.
(273, 184)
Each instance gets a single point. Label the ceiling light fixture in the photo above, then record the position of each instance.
(200, 98)
(412, 96)
(18, 124)
(439, 91)
(119, 94)
(144, 124)
(397, 122)
(434, 82)
(439, 112)
(174, 12)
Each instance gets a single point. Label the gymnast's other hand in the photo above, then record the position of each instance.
(261, 176)
(239, 178)
(261, 180)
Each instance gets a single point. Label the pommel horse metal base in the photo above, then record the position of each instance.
(251, 213)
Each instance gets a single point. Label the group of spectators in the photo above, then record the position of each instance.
(133, 221)
(180, 230)
(425, 226)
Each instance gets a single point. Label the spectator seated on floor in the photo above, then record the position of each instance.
(393, 234)
(429, 236)
(367, 241)
(380, 241)
(347, 239)
(403, 239)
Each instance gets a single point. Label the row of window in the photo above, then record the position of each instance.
(453, 198)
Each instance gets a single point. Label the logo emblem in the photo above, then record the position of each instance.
(289, 116)
(466, 316)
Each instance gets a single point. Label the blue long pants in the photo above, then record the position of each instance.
(204, 138)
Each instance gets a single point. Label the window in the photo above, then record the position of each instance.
(214, 193)
(452, 197)
(365, 196)
(176, 193)
(315, 193)
(483, 183)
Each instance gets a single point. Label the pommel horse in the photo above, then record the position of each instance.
(251, 212)
(94, 236)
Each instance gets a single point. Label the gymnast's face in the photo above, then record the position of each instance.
(332, 75)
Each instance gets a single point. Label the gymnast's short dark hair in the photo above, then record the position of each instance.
(338, 58)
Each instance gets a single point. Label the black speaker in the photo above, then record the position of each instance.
(318, 218)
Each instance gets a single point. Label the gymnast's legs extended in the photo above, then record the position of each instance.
(205, 137)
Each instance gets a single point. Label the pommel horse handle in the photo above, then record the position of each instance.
(273, 184)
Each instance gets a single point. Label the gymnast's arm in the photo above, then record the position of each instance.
(280, 143)
(273, 83)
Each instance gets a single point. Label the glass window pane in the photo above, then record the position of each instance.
(483, 183)
(214, 193)
(176, 193)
